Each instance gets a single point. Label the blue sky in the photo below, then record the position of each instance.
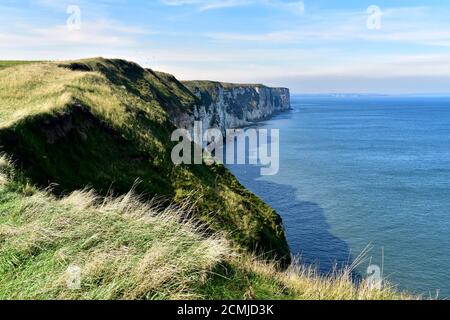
(311, 46)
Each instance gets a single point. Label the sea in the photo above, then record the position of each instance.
(364, 180)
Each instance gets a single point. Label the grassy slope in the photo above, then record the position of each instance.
(109, 122)
(127, 249)
(205, 84)
(11, 63)
(212, 88)
(105, 124)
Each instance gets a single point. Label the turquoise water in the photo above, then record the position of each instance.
(365, 171)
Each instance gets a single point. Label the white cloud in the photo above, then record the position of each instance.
(296, 6)
(97, 33)
(204, 5)
(319, 45)
(402, 25)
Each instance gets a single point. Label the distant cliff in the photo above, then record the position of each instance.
(108, 123)
(227, 106)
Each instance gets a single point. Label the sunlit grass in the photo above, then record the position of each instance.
(130, 249)
(12, 63)
(126, 248)
(128, 140)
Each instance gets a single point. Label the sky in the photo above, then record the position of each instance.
(310, 46)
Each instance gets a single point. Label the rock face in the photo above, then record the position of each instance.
(227, 106)
(116, 129)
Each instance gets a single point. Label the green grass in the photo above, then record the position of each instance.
(207, 85)
(125, 248)
(107, 124)
(129, 249)
(11, 63)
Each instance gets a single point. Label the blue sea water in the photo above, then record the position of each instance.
(359, 171)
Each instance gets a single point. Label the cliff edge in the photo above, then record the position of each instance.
(107, 124)
(228, 106)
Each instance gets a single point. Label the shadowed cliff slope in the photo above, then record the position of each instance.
(107, 124)
(123, 248)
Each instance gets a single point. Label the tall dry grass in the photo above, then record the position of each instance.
(124, 247)
(301, 282)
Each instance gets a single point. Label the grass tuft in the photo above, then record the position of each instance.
(100, 122)
(125, 248)
(106, 123)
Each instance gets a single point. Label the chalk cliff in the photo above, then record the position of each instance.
(227, 106)
(107, 123)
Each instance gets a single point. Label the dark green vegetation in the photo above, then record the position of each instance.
(209, 90)
(11, 63)
(128, 249)
(106, 124)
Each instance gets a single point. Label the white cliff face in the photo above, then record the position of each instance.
(226, 106)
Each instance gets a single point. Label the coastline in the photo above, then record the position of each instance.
(233, 242)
